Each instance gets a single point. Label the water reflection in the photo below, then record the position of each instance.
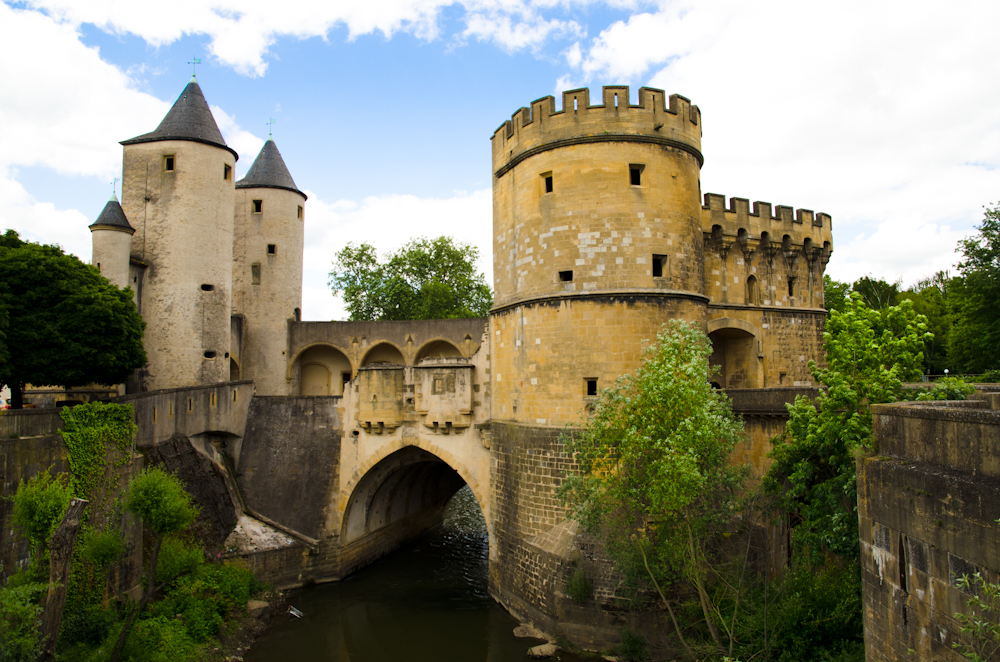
(427, 601)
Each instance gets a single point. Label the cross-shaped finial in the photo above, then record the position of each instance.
(270, 125)
(195, 61)
(114, 185)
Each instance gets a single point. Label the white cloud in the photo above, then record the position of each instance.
(387, 222)
(41, 221)
(246, 144)
(241, 32)
(883, 115)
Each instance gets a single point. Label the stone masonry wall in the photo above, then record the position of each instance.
(928, 505)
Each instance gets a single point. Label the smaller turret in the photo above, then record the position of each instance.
(111, 236)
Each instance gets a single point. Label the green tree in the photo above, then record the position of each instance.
(39, 506)
(930, 298)
(425, 279)
(66, 324)
(975, 339)
(160, 501)
(655, 480)
(869, 354)
(875, 292)
(835, 293)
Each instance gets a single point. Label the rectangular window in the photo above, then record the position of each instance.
(255, 273)
(272, 249)
(258, 206)
(227, 172)
(659, 265)
(791, 286)
(591, 386)
(547, 182)
(168, 163)
(566, 276)
(300, 213)
(635, 173)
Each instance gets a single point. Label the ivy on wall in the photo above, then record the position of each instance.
(97, 434)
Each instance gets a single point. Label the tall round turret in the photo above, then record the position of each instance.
(178, 190)
(267, 270)
(111, 238)
(597, 242)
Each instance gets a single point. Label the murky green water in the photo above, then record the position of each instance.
(426, 602)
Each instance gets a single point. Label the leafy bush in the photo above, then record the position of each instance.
(86, 624)
(578, 586)
(233, 583)
(177, 559)
(981, 624)
(102, 548)
(633, 648)
(39, 506)
(947, 388)
(19, 614)
(990, 376)
(159, 639)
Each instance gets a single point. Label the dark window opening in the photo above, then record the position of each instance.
(791, 286)
(168, 163)
(591, 387)
(209, 354)
(258, 206)
(227, 355)
(635, 173)
(345, 377)
(566, 276)
(659, 262)
(272, 249)
(207, 288)
(227, 172)
(255, 273)
(298, 314)
(300, 213)
(548, 182)
(98, 266)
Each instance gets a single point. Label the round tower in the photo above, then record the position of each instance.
(178, 190)
(597, 242)
(267, 270)
(111, 238)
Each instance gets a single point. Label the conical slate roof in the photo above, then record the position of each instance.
(269, 171)
(113, 215)
(188, 119)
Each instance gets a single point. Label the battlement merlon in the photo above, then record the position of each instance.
(656, 119)
(737, 222)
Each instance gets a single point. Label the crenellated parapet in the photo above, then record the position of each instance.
(770, 228)
(657, 119)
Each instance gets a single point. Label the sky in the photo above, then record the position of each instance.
(882, 114)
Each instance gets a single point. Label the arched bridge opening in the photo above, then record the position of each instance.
(398, 498)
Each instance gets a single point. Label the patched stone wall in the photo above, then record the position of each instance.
(927, 504)
(184, 234)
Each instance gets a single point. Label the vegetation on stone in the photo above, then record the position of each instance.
(66, 325)
(425, 279)
(39, 505)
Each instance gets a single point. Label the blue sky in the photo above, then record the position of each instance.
(882, 114)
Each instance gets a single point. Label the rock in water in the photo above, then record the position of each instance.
(258, 608)
(545, 650)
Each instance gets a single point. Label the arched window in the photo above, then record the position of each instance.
(753, 296)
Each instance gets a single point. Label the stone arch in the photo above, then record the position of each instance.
(438, 348)
(753, 292)
(383, 351)
(309, 365)
(378, 472)
(736, 349)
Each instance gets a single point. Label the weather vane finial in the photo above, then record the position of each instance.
(114, 187)
(195, 61)
(270, 125)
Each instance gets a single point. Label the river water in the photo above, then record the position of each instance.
(426, 602)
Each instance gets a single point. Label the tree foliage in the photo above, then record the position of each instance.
(655, 481)
(39, 506)
(66, 325)
(869, 354)
(425, 279)
(975, 341)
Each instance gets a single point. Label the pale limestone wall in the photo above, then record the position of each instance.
(464, 446)
(594, 222)
(110, 255)
(543, 353)
(772, 246)
(184, 232)
(267, 296)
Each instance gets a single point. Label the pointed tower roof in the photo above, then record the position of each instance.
(269, 171)
(188, 119)
(113, 217)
